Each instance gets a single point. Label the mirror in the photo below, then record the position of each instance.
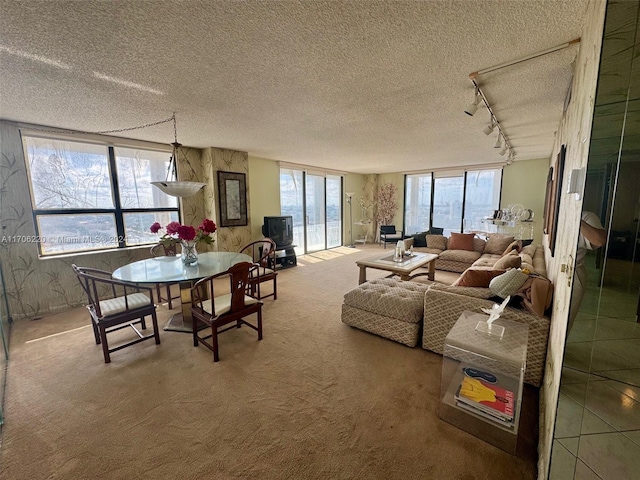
(598, 419)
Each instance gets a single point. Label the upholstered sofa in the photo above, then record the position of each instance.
(452, 258)
(410, 312)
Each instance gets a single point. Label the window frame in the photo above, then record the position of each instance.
(448, 173)
(117, 211)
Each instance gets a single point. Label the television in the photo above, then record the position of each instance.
(279, 229)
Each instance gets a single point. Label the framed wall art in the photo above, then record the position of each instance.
(232, 199)
(554, 193)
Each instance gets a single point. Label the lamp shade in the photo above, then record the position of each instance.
(179, 189)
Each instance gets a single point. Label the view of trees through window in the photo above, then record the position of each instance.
(76, 205)
(479, 197)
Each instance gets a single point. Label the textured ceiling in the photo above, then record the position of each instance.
(367, 87)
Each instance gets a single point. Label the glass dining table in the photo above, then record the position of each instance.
(166, 270)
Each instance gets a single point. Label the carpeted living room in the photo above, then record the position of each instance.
(314, 399)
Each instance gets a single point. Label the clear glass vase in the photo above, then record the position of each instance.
(189, 253)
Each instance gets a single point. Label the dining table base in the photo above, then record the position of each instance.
(183, 321)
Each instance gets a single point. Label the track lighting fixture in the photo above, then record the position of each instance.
(490, 127)
(473, 107)
(502, 142)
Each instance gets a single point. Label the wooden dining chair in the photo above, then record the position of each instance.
(114, 305)
(263, 253)
(217, 310)
(159, 250)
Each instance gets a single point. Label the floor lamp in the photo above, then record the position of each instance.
(349, 201)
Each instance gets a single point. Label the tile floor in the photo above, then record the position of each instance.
(598, 423)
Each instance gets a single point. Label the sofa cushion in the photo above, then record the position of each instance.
(511, 260)
(461, 241)
(436, 241)
(461, 256)
(479, 244)
(497, 243)
(477, 277)
(486, 260)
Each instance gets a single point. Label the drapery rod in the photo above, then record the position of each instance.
(473, 75)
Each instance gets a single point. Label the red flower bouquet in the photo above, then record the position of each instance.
(176, 233)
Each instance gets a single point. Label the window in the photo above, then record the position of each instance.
(455, 201)
(448, 195)
(482, 197)
(418, 203)
(88, 196)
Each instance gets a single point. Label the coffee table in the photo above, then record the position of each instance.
(402, 268)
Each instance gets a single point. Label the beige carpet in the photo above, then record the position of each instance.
(315, 399)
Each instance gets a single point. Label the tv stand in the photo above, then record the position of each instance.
(286, 256)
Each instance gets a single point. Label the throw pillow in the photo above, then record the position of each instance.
(515, 245)
(511, 260)
(436, 241)
(477, 278)
(529, 250)
(419, 239)
(461, 241)
(526, 258)
(497, 243)
(508, 283)
(436, 231)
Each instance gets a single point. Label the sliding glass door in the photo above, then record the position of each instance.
(334, 211)
(315, 203)
(292, 203)
(315, 213)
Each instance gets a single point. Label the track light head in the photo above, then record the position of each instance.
(490, 127)
(473, 107)
(498, 143)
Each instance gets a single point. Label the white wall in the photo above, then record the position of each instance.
(524, 182)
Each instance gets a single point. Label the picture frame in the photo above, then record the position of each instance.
(553, 195)
(232, 199)
(546, 216)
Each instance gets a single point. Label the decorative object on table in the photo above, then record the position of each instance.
(171, 186)
(232, 198)
(494, 313)
(399, 253)
(187, 236)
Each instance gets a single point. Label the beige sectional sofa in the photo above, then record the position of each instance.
(412, 312)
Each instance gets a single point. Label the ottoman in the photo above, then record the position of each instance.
(387, 307)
